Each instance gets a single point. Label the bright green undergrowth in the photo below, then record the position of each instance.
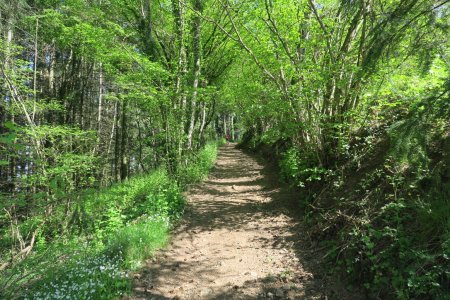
(196, 172)
(107, 234)
(382, 209)
(384, 215)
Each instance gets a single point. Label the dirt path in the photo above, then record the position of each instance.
(240, 240)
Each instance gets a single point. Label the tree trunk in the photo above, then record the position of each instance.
(149, 42)
(100, 100)
(225, 131)
(117, 144)
(35, 70)
(124, 159)
(180, 95)
(51, 73)
(232, 127)
(203, 123)
(197, 70)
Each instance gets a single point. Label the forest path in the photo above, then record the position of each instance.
(241, 238)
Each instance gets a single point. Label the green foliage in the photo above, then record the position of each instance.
(389, 229)
(97, 91)
(389, 258)
(154, 194)
(137, 242)
(84, 276)
(298, 170)
(109, 231)
(198, 167)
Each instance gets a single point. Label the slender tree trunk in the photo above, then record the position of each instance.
(147, 26)
(225, 131)
(100, 100)
(35, 69)
(180, 95)
(117, 145)
(124, 159)
(51, 73)
(110, 141)
(232, 127)
(140, 139)
(197, 70)
(6, 101)
(203, 123)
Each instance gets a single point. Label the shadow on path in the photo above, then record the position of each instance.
(241, 238)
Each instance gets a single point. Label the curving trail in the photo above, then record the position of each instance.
(240, 239)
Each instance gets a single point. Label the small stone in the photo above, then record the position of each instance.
(279, 293)
(296, 294)
(270, 295)
(206, 292)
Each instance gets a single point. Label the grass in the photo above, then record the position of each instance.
(100, 271)
(137, 242)
(110, 232)
(198, 171)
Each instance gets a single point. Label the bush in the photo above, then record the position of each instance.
(298, 171)
(387, 223)
(136, 242)
(199, 165)
(109, 231)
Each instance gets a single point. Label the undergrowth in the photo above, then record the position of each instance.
(107, 234)
(382, 210)
(385, 217)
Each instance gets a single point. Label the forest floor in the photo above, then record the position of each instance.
(241, 238)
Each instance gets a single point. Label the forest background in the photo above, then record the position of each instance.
(109, 108)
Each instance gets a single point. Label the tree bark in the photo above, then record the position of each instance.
(232, 127)
(203, 122)
(197, 70)
(124, 159)
(180, 95)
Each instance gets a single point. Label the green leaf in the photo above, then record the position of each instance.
(10, 125)
(8, 139)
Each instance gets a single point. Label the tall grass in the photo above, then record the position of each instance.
(198, 170)
(109, 233)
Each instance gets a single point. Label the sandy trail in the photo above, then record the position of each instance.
(240, 239)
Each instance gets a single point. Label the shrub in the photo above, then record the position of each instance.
(198, 167)
(110, 231)
(298, 171)
(137, 241)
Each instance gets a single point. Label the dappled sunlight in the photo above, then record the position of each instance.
(241, 238)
